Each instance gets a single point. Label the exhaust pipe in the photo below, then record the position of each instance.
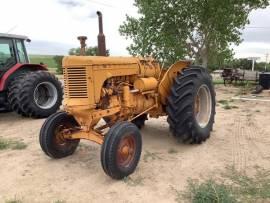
(101, 37)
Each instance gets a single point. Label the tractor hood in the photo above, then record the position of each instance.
(74, 61)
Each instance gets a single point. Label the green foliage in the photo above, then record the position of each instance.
(4, 144)
(60, 201)
(90, 51)
(15, 200)
(17, 145)
(45, 59)
(173, 29)
(250, 188)
(210, 192)
(58, 60)
(134, 181)
(233, 186)
(227, 104)
(11, 144)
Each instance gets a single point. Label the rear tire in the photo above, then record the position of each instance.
(13, 94)
(191, 106)
(41, 94)
(52, 142)
(121, 150)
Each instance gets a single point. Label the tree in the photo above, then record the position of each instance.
(174, 29)
(58, 60)
(90, 51)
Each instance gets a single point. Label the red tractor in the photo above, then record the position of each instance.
(28, 89)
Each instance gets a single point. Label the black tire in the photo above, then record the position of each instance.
(181, 108)
(47, 136)
(112, 163)
(13, 94)
(37, 80)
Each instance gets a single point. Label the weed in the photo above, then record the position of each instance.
(179, 195)
(227, 107)
(172, 151)
(4, 144)
(218, 82)
(133, 181)
(18, 145)
(250, 188)
(257, 111)
(209, 191)
(60, 201)
(233, 187)
(15, 200)
(11, 144)
(224, 102)
(149, 155)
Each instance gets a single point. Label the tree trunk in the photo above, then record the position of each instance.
(204, 57)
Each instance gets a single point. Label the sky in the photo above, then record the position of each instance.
(53, 25)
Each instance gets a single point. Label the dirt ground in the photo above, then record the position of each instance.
(241, 138)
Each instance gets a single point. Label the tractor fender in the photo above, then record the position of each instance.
(167, 81)
(15, 70)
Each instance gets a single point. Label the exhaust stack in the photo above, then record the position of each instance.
(101, 37)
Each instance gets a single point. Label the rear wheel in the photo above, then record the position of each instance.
(191, 106)
(121, 150)
(13, 94)
(51, 138)
(41, 94)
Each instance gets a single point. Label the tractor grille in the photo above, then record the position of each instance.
(75, 80)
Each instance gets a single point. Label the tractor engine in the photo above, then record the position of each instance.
(130, 85)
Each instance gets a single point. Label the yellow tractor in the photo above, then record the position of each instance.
(124, 92)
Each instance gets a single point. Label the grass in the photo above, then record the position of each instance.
(218, 82)
(15, 200)
(11, 144)
(209, 192)
(133, 181)
(4, 144)
(46, 59)
(149, 155)
(227, 104)
(60, 201)
(232, 187)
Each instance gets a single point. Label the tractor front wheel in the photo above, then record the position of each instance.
(121, 150)
(51, 137)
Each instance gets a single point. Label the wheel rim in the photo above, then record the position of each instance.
(58, 139)
(203, 106)
(45, 95)
(126, 151)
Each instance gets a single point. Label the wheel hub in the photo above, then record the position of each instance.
(203, 106)
(126, 151)
(45, 95)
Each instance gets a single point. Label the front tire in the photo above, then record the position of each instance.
(51, 137)
(191, 106)
(121, 150)
(41, 94)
